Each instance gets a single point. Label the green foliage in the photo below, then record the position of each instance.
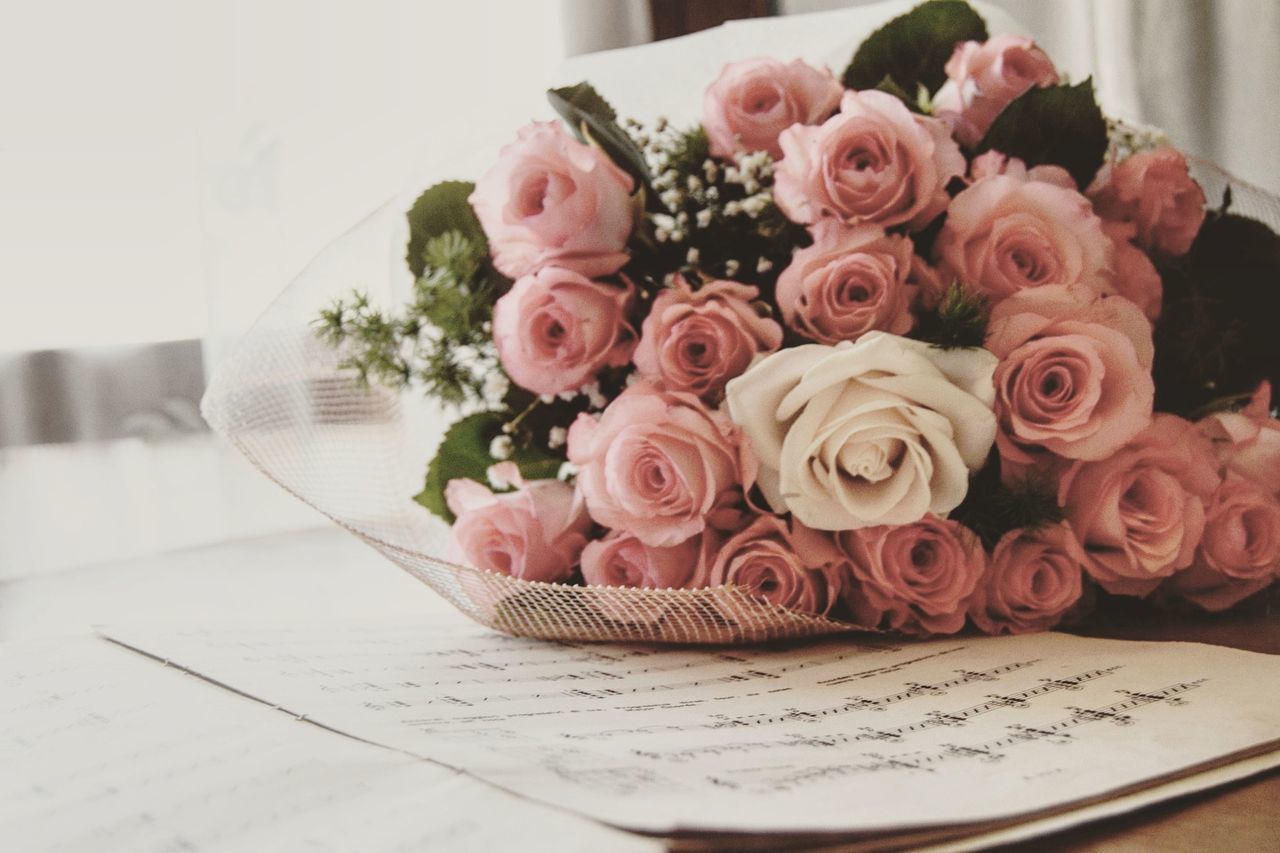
(960, 320)
(464, 454)
(441, 340)
(1057, 125)
(913, 49)
(1216, 339)
(992, 508)
(440, 209)
(594, 120)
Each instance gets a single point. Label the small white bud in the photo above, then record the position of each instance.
(547, 398)
(703, 218)
(764, 265)
(557, 437)
(567, 470)
(691, 257)
(501, 447)
(731, 267)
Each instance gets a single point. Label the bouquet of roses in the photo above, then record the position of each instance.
(928, 344)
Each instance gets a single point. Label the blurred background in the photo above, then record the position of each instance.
(166, 167)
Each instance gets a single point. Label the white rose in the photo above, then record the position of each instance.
(882, 431)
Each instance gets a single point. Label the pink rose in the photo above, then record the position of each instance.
(1214, 591)
(1004, 234)
(754, 100)
(927, 282)
(994, 163)
(535, 533)
(790, 566)
(1133, 275)
(849, 282)
(660, 465)
(1155, 191)
(874, 162)
(1247, 442)
(1139, 515)
(555, 330)
(1034, 578)
(552, 200)
(985, 77)
(916, 578)
(620, 559)
(696, 341)
(1075, 373)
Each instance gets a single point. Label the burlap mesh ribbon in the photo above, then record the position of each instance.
(357, 455)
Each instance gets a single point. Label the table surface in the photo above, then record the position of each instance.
(325, 573)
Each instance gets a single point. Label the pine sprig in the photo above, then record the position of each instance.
(960, 320)
(441, 340)
(992, 508)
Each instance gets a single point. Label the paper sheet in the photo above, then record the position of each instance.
(101, 749)
(832, 736)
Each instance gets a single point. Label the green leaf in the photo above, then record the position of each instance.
(594, 121)
(888, 86)
(440, 209)
(913, 49)
(1058, 125)
(464, 453)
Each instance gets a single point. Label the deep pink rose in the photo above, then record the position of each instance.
(1034, 578)
(555, 330)
(785, 564)
(916, 578)
(1139, 515)
(552, 200)
(754, 100)
(1075, 373)
(1247, 442)
(849, 282)
(985, 77)
(1154, 191)
(1004, 234)
(660, 465)
(535, 533)
(1133, 275)
(874, 162)
(994, 163)
(620, 559)
(696, 341)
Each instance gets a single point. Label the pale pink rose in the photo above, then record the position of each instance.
(555, 329)
(1133, 275)
(874, 162)
(881, 431)
(1139, 515)
(754, 100)
(1004, 234)
(849, 282)
(1034, 578)
(553, 200)
(1155, 191)
(915, 578)
(1247, 442)
(985, 77)
(535, 533)
(994, 163)
(620, 559)
(783, 564)
(1075, 373)
(697, 340)
(661, 466)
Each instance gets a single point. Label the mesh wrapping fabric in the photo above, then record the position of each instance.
(358, 454)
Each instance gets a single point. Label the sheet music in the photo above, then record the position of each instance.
(832, 736)
(101, 749)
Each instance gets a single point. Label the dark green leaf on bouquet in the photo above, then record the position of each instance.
(1057, 125)
(913, 49)
(594, 121)
(1216, 338)
(993, 508)
(464, 454)
(888, 86)
(441, 208)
